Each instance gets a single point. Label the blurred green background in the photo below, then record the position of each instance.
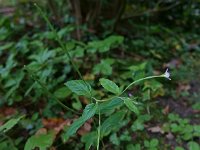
(122, 40)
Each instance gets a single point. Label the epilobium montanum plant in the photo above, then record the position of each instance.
(82, 88)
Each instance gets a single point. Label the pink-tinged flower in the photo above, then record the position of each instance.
(167, 74)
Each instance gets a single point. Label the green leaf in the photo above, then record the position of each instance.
(132, 147)
(88, 113)
(111, 123)
(89, 139)
(193, 145)
(7, 145)
(62, 92)
(154, 142)
(104, 67)
(79, 87)
(130, 104)
(110, 86)
(110, 105)
(42, 141)
(114, 139)
(105, 45)
(10, 124)
(179, 148)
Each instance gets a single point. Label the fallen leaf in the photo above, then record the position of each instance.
(41, 131)
(8, 111)
(156, 129)
(166, 110)
(56, 124)
(170, 136)
(84, 129)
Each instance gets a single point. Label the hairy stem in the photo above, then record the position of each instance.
(134, 82)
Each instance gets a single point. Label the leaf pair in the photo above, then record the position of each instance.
(82, 88)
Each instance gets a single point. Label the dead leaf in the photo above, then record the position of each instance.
(84, 100)
(156, 129)
(166, 110)
(8, 111)
(57, 124)
(41, 131)
(174, 63)
(85, 129)
(170, 136)
(52, 122)
(89, 77)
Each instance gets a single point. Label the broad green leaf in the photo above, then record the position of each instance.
(104, 67)
(105, 45)
(79, 87)
(111, 123)
(7, 145)
(130, 104)
(154, 142)
(89, 139)
(42, 141)
(110, 86)
(88, 113)
(10, 124)
(114, 139)
(193, 145)
(179, 148)
(62, 92)
(110, 105)
(132, 147)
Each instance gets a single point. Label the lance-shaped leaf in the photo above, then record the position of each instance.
(79, 87)
(113, 122)
(88, 113)
(130, 104)
(42, 141)
(10, 124)
(109, 86)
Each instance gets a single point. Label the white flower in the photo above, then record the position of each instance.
(167, 74)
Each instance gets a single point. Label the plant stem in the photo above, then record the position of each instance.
(99, 130)
(63, 47)
(139, 80)
(134, 82)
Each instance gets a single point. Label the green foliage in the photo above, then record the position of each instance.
(89, 139)
(109, 86)
(110, 106)
(138, 124)
(124, 41)
(152, 144)
(130, 104)
(79, 87)
(113, 122)
(88, 113)
(104, 67)
(42, 141)
(7, 145)
(105, 45)
(183, 128)
(193, 145)
(10, 124)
